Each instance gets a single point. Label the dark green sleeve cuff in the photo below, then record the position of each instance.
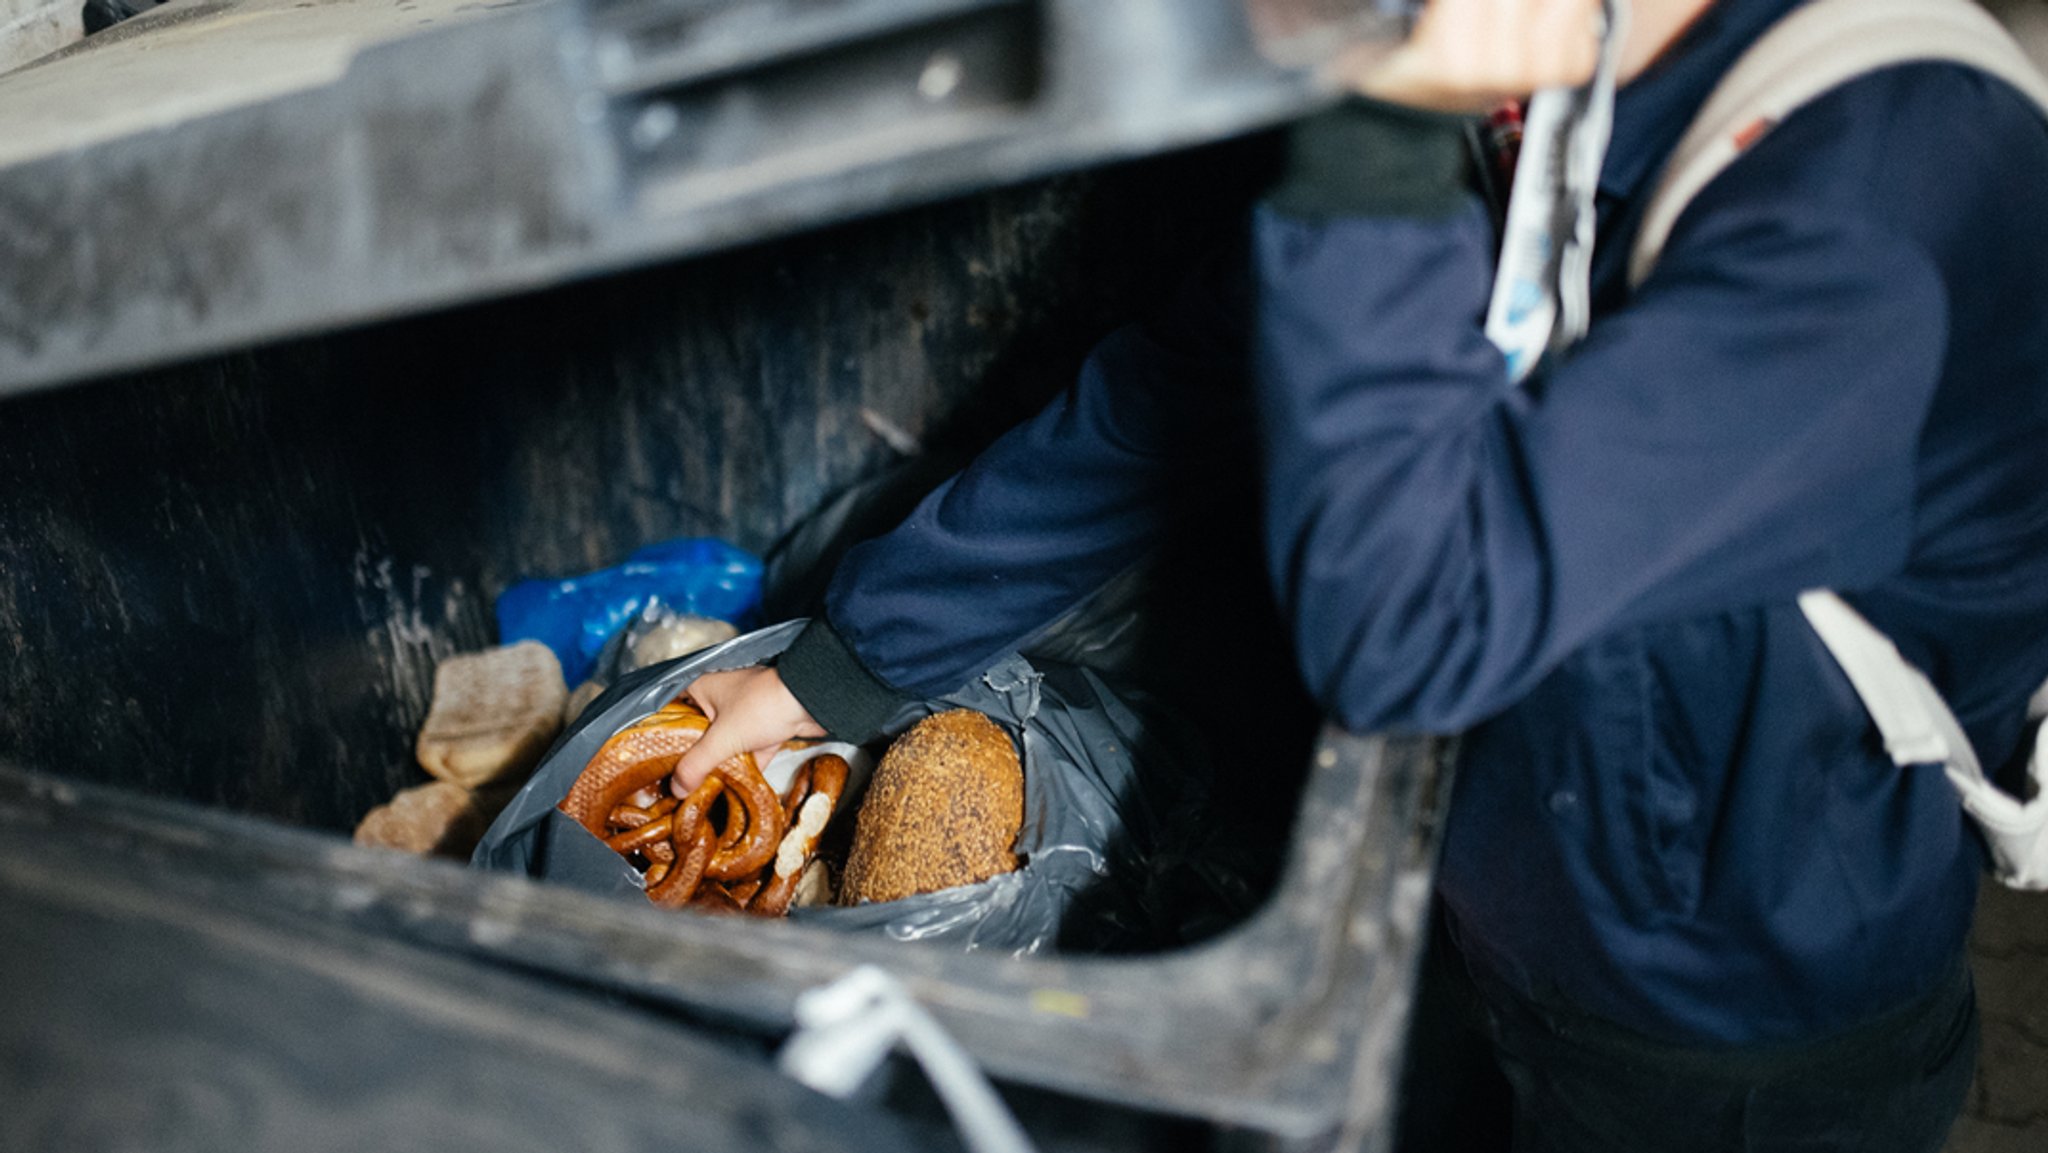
(840, 693)
(1369, 158)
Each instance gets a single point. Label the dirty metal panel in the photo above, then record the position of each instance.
(30, 29)
(225, 172)
(1289, 1027)
(230, 581)
(137, 1017)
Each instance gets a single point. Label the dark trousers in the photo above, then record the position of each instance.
(1489, 1072)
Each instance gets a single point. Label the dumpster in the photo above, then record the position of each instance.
(297, 380)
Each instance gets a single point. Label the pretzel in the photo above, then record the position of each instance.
(679, 840)
(638, 757)
(732, 845)
(733, 829)
(825, 784)
(799, 788)
(713, 897)
(680, 882)
(634, 816)
(749, 797)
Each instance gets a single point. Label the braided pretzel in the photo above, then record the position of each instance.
(681, 844)
(732, 845)
(680, 881)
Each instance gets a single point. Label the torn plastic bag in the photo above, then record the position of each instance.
(657, 633)
(1112, 831)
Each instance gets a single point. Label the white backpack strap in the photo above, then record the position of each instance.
(1916, 724)
(1919, 729)
(1817, 48)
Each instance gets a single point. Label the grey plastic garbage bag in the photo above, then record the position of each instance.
(1109, 813)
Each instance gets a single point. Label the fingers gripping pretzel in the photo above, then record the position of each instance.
(731, 845)
(679, 840)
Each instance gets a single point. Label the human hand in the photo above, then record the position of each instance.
(1472, 55)
(751, 710)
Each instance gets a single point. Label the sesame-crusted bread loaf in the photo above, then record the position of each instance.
(943, 810)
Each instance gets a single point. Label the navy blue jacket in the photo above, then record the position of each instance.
(1673, 811)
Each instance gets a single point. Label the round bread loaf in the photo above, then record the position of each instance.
(943, 810)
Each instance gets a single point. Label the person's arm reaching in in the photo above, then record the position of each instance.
(1045, 516)
(1064, 502)
(1742, 430)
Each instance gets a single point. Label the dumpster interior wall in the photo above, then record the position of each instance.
(229, 581)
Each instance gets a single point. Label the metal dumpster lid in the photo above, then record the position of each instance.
(219, 173)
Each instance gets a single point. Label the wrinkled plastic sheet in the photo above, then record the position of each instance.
(1106, 815)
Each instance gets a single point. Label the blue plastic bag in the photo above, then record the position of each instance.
(700, 576)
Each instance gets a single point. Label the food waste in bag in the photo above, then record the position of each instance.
(1034, 808)
(735, 843)
(943, 811)
(658, 634)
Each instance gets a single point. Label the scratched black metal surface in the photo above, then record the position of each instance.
(1287, 1030)
(136, 1019)
(487, 148)
(230, 581)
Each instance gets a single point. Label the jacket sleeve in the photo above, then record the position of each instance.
(1045, 516)
(1742, 429)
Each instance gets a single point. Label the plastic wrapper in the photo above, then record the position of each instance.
(579, 616)
(1113, 842)
(655, 634)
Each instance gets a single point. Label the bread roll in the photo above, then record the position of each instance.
(675, 637)
(494, 714)
(943, 810)
(814, 887)
(436, 819)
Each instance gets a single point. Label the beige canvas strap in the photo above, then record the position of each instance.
(1919, 729)
(1817, 48)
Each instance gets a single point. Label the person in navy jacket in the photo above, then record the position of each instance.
(1704, 908)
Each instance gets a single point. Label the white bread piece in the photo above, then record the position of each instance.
(494, 714)
(431, 819)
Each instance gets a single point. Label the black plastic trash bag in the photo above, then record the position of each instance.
(1113, 842)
